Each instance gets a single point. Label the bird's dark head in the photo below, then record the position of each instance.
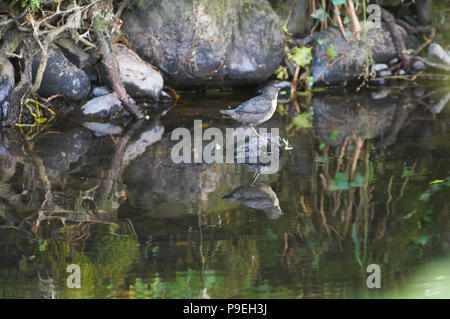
(271, 92)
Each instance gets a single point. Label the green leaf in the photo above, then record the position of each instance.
(333, 136)
(437, 181)
(320, 15)
(338, 2)
(331, 52)
(407, 173)
(321, 146)
(319, 41)
(42, 245)
(301, 56)
(339, 183)
(346, 20)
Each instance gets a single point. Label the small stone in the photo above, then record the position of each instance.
(384, 73)
(100, 90)
(165, 97)
(105, 104)
(379, 67)
(418, 66)
(394, 61)
(380, 94)
(438, 54)
(401, 72)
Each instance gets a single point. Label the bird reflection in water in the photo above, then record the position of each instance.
(259, 196)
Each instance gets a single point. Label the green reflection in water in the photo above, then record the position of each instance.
(146, 228)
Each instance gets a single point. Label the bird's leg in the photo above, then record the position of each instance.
(253, 129)
(255, 178)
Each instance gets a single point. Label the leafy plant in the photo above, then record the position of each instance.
(281, 73)
(319, 14)
(301, 56)
(34, 4)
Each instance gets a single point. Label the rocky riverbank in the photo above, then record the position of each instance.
(164, 45)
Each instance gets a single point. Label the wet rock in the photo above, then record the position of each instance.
(165, 97)
(61, 76)
(418, 66)
(138, 76)
(6, 86)
(100, 90)
(384, 73)
(207, 43)
(104, 105)
(350, 60)
(379, 67)
(101, 129)
(297, 11)
(438, 54)
(85, 60)
(75, 54)
(394, 61)
(401, 72)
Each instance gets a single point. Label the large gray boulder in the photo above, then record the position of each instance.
(295, 13)
(61, 76)
(348, 59)
(213, 43)
(139, 77)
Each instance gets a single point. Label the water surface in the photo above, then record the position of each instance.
(367, 182)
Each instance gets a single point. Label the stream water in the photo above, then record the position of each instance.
(366, 182)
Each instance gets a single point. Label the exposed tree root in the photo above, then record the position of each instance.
(399, 44)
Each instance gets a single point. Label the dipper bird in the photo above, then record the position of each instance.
(256, 110)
